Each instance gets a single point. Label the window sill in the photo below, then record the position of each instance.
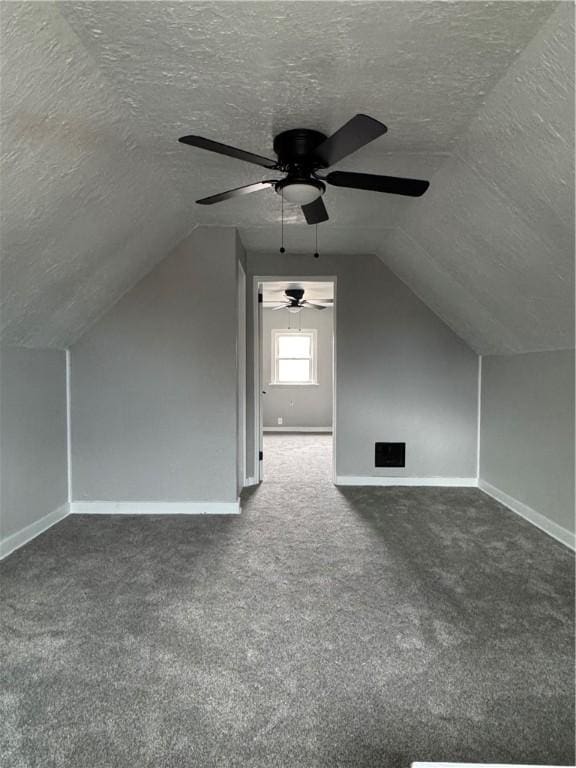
(293, 384)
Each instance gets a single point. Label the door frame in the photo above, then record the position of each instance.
(241, 344)
(257, 281)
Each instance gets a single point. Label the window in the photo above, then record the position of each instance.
(293, 357)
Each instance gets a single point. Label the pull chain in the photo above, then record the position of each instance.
(316, 254)
(282, 249)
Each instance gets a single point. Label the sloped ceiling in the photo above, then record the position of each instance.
(96, 189)
(84, 208)
(491, 249)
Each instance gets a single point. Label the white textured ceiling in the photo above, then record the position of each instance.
(491, 250)
(85, 209)
(95, 94)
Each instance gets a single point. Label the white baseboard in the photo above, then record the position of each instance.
(155, 507)
(18, 539)
(540, 521)
(297, 429)
(477, 765)
(456, 482)
(250, 481)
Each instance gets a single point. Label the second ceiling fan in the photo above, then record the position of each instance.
(301, 154)
(295, 301)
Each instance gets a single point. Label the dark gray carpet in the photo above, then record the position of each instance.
(362, 627)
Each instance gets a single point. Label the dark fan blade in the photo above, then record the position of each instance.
(224, 149)
(357, 132)
(281, 306)
(315, 212)
(315, 306)
(374, 183)
(238, 192)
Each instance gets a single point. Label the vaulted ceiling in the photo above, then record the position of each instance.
(478, 97)
(491, 250)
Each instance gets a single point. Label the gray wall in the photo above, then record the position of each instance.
(300, 405)
(527, 430)
(154, 383)
(401, 373)
(33, 452)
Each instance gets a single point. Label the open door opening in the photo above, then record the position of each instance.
(295, 400)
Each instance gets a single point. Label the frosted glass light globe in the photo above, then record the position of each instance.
(300, 193)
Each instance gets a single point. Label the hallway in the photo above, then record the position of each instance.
(303, 458)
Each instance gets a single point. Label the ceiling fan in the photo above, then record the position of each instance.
(297, 302)
(301, 153)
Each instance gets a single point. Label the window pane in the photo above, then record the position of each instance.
(294, 346)
(293, 370)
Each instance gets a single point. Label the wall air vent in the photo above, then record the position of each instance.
(390, 455)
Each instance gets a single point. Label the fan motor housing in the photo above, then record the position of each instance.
(295, 147)
(295, 294)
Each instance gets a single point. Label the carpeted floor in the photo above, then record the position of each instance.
(322, 627)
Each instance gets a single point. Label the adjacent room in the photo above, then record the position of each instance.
(287, 384)
(295, 361)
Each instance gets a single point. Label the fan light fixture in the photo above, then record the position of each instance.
(300, 154)
(300, 192)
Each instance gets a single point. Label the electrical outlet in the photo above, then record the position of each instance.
(280, 420)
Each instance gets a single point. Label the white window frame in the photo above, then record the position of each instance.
(313, 334)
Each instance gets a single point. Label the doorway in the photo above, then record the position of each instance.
(295, 386)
